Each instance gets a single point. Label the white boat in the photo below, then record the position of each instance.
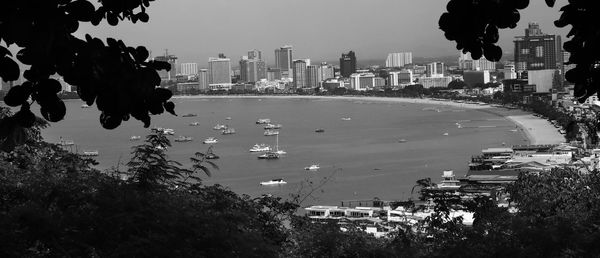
(271, 132)
(228, 118)
(195, 124)
(278, 181)
(346, 118)
(220, 127)
(402, 140)
(85, 106)
(269, 155)
(210, 140)
(135, 138)
(445, 134)
(272, 126)
(90, 153)
(277, 150)
(313, 167)
(184, 139)
(228, 131)
(66, 142)
(262, 121)
(260, 148)
(449, 181)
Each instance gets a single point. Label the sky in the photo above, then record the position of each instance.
(321, 30)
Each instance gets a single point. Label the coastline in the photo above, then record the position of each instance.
(537, 130)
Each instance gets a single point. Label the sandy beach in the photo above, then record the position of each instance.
(537, 130)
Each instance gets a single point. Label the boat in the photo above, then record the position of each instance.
(85, 106)
(320, 130)
(90, 153)
(277, 150)
(135, 138)
(271, 132)
(278, 181)
(195, 124)
(402, 140)
(262, 121)
(445, 134)
(189, 115)
(269, 155)
(260, 148)
(210, 155)
(184, 139)
(228, 118)
(449, 181)
(272, 126)
(220, 127)
(313, 167)
(66, 142)
(346, 118)
(210, 140)
(228, 131)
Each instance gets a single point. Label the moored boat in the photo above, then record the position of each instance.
(228, 131)
(269, 155)
(184, 139)
(260, 148)
(262, 121)
(135, 138)
(210, 140)
(90, 153)
(313, 167)
(320, 130)
(220, 127)
(189, 115)
(271, 132)
(277, 181)
(346, 118)
(272, 126)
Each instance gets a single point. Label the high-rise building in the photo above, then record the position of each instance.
(435, 69)
(219, 73)
(313, 76)
(203, 79)
(254, 54)
(273, 74)
(327, 71)
(299, 74)
(283, 60)
(398, 59)
(397, 78)
(252, 70)
(509, 72)
(164, 74)
(537, 51)
(189, 69)
(465, 62)
(362, 81)
(348, 64)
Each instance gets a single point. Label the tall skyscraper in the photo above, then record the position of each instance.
(313, 76)
(537, 51)
(435, 69)
(189, 68)
(398, 59)
(299, 74)
(203, 79)
(326, 71)
(348, 64)
(172, 60)
(219, 71)
(283, 60)
(252, 70)
(254, 54)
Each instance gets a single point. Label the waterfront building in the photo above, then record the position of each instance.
(378, 82)
(254, 54)
(509, 72)
(313, 76)
(348, 64)
(435, 69)
(398, 78)
(466, 62)
(164, 74)
(219, 73)
(203, 79)
(189, 69)
(283, 60)
(517, 86)
(538, 51)
(327, 71)
(188, 87)
(398, 59)
(299, 74)
(332, 84)
(362, 81)
(437, 82)
(476, 78)
(252, 70)
(542, 79)
(273, 74)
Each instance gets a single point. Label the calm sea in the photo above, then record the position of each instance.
(362, 158)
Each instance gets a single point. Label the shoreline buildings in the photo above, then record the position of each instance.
(348, 64)
(538, 51)
(283, 60)
(398, 59)
(219, 73)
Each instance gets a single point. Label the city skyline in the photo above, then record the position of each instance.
(182, 26)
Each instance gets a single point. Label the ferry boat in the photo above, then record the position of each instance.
(135, 138)
(449, 181)
(184, 139)
(210, 140)
(260, 148)
(269, 155)
(278, 181)
(313, 167)
(195, 124)
(262, 121)
(90, 153)
(320, 130)
(228, 131)
(272, 126)
(220, 127)
(189, 115)
(271, 132)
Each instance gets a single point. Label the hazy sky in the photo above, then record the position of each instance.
(317, 29)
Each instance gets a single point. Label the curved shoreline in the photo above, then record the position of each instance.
(537, 130)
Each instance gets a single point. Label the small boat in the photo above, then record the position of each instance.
(220, 127)
(445, 134)
(271, 132)
(195, 124)
(346, 118)
(402, 140)
(85, 106)
(135, 138)
(277, 150)
(260, 148)
(184, 139)
(272, 126)
(269, 155)
(313, 167)
(90, 153)
(160, 147)
(278, 181)
(210, 140)
(66, 142)
(320, 130)
(189, 115)
(228, 131)
(228, 118)
(513, 130)
(262, 121)
(210, 155)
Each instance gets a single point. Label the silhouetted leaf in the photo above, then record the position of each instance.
(9, 69)
(17, 95)
(170, 107)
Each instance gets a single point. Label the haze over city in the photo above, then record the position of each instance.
(320, 30)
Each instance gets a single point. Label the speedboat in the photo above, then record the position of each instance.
(90, 153)
(313, 167)
(262, 121)
(168, 131)
(346, 118)
(260, 148)
(320, 130)
(220, 127)
(189, 115)
(228, 131)
(271, 132)
(272, 126)
(269, 155)
(135, 138)
(445, 134)
(278, 181)
(210, 140)
(228, 118)
(184, 139)
(195, 124)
